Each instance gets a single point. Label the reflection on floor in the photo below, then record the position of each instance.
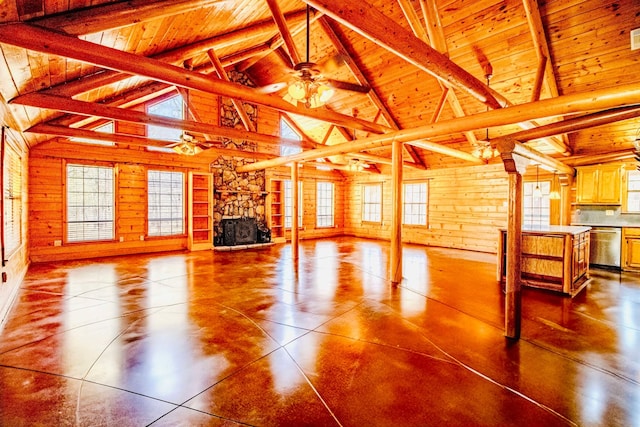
(249, 338)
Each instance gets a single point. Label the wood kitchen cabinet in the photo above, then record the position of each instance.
(554, 258)
(630, 249)
(600, 184)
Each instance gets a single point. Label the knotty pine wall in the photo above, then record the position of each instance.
(308, 177)
(466, 207)
(46, 190)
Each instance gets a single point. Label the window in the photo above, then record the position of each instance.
(537, 208)
(165, 195)
(107, 127)
(173, 108)
(288, 203)
(372, 202)
(633, 191)
(287, 132)
(12, 170)
(324, 204)
(90, 203)
(415, 204)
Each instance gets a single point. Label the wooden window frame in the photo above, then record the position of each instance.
(183, 231)
(318, 205)
(367, 205)
(114, 205)
(406, 204)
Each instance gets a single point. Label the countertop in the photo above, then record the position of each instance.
(556, 229)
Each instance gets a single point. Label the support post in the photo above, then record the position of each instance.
(513, 294)
(396, 215)
(294, 211)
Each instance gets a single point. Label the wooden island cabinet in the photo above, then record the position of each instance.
(553, 257)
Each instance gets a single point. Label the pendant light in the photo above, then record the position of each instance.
(554, 195)
(536, 191)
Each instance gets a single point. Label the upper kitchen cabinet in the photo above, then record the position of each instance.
(630, 189)
(600, 184)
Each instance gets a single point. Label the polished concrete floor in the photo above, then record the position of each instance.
(249, 338)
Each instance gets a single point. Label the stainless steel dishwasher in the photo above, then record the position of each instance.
(605, 246)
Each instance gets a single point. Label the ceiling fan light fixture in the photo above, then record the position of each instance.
(187, 146)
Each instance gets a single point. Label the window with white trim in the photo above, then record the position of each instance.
(12, 209)
(324, 204)
(414, 208)
(172, 107)
(288, 203)
(536, 204)
(372, 202)
(90, 203)
(165, 203)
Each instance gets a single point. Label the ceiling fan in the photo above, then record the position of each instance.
(189, 145)
(309, 86)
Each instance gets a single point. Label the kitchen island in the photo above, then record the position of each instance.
(553, 257)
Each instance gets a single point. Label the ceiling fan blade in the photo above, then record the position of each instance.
(352, 87)
(272, 88)
(332, 63)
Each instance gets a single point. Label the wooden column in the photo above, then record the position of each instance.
(396, 212)
(294, 211)
(513, 297)
(515, 166)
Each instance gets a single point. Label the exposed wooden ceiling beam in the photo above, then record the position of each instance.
(362, 80)
(50, 42)
(132, 116)
(436, 33)
(623, 95)
(281, 23)
(177, 56)
(382, 160)
(117, 15)
(127, 139)
(238, 105)
(435, 37)
(369, 22)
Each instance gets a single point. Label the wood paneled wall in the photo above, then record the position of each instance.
(466, 207)
(309, 178)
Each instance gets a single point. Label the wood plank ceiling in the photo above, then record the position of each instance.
(425, 61)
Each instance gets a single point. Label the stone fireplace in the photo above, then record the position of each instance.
(239, 203)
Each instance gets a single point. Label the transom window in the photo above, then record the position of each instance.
(415, 204)
(536, 204)
(107, 127)
(324, 204)
(287, 132)
(172, 107)
(288, 204)
(372, 202)
(165, 215)
(90, 203)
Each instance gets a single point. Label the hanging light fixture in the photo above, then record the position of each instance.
(483, 149)
(536, 191)
(187, 145)
(554, 195)
(307, 86)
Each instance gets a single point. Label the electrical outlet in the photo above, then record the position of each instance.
(57, 243)
(609, 212)
(122, 238)
(142, 237)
